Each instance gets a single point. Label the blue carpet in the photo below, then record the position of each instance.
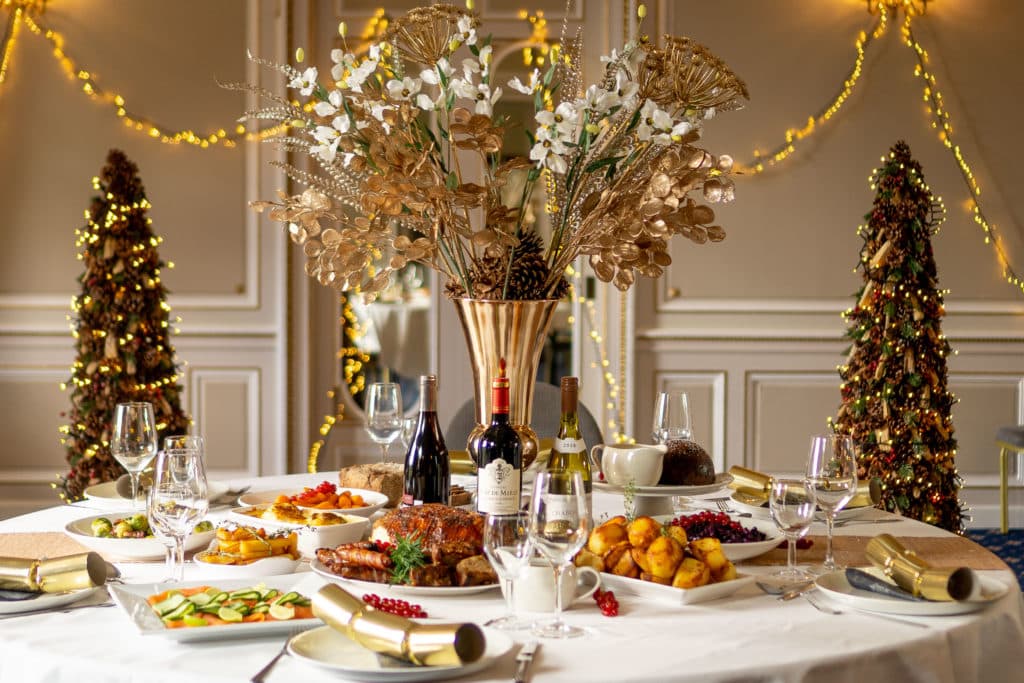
(1009, 547)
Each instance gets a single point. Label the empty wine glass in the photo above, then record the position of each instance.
(508, 546)
(791, 503)
(832, 473)
(408, 429)
(178, 498)
(384, 415)
(134, 439)
(559, 526)
(672, 417)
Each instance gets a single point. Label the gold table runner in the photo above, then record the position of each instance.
(41, 544)
(943, 552)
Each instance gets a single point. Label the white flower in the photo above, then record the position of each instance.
(432, 76)
(547, 155)
(377, 111)
(625, 89)
(403, 89)
(424, 102)
(532, 87)
(655, 124)
(480, 93)
(485, 58)
(470, 67)
(358, 75)
(467, 33)
(329, 137)
(305, 82)
(343, 61)
(680, 129)
(560, 123)
(331, 106)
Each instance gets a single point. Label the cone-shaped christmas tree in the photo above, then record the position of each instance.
(895, 403)
(120, 326)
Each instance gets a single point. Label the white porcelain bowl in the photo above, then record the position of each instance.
(310, 537)
(150, 548)
(374, 500)
(737, 552)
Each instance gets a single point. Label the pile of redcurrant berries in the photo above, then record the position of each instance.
(394, 606)
(607, 603)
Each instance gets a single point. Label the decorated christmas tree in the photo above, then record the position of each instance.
(895, 402)
(121, 328)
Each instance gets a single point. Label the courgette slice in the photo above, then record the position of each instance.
(169, 604)
(201, 599)
(182, 610)
(290, 596)
(245, 594)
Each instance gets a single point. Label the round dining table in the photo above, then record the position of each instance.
(746, 636)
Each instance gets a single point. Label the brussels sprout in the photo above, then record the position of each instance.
(122, 529)
(139, 522)
(204, 525)
(101, 527)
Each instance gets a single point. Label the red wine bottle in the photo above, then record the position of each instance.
(427, 477)
(499, 473)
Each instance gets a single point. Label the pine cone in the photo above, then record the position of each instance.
(530, 243)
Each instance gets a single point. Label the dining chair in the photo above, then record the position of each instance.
(1011, 442)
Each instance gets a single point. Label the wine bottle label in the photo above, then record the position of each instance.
(570, 445)
(498, 488)
(408, 500)
(564, 507)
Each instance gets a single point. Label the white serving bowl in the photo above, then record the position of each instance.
(268, 566)
(737, 552)
(310, 537)
(150, 548)
(374, 500)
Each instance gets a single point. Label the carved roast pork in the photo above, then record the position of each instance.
(447, 535)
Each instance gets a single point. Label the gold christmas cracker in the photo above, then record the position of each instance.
(56, 575)
(916, 576)
(421, 644)
(750, 481)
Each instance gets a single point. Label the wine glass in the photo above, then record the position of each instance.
(832, 473)
(178, 499)
(559, 526)
(508, 546)
(408, 429)
(133, 440)
(384, 415)
(672, 417)
(791, 503)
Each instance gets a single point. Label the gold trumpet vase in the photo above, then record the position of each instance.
(515, 331)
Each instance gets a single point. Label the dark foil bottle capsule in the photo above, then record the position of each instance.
(427, 478)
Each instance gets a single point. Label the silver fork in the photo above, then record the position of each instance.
(815, 599)
(724, 507)
(261, 675)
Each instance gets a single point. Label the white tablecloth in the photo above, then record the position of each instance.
(749, 637)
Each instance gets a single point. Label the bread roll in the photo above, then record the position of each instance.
(384, 477)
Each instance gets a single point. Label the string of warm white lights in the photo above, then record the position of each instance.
(132, 120)
(936, 110)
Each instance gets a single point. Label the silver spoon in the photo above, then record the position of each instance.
(785, 591)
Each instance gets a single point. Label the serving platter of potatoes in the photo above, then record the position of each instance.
(646, 558)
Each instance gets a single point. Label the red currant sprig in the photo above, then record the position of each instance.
(394, 606)
(607, 603)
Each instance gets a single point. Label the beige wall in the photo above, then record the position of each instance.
(753, 332)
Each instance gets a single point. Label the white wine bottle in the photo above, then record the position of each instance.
(569, 453)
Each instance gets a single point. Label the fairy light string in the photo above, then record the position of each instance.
(936, 110)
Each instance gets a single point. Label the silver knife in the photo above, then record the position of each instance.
(524, 659)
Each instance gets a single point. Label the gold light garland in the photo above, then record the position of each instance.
(937, 111)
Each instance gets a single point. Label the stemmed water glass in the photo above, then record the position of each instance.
(384, 415)
(671, 417)
(508, 546)
(178, 498)
(133, 440)
(559, 526)
(832, 473)
(791, 503)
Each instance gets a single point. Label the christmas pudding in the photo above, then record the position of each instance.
(686, 464)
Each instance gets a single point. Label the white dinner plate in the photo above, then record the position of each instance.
(737, 552)
(45, 601)
(670, 594)
(722, 480)
(149, 548)
(106, 495)
(836, 587)
(397, 589)
(374, 500)
(746, 503)
(326, 648)
(268, 566)
(131, 598)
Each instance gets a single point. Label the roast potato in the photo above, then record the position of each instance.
(663, 556)
(625, 566)
(676, 532)
(644, 576)
(585, 558)
(727, 572)
(640, 557)
(642, 532)
(692, 573)
(709, 551)
(604, 537)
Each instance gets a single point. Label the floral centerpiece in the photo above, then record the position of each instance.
(408, 164)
